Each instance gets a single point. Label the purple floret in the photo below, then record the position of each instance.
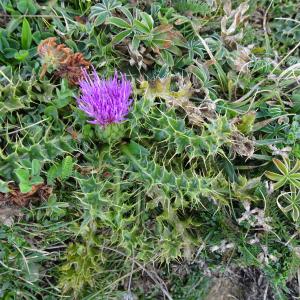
(105, 101)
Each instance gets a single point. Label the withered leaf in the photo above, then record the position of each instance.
(60, 58)
(161, 88)
(15, 197)
(242, 145)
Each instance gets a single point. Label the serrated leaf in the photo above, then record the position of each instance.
(67, 167)
(247, 122)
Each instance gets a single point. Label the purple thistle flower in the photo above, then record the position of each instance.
(106, 101)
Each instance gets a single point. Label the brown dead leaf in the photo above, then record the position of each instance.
(242, 145)
(8, 214)
(61, 58)
(52, 54)
(4, 18)
(71, 68)
(232, 21)
(241, 59)
(81, 19)
(73, 133)
(15, 197)
(161, 88)
(141, 57)
(11, 202)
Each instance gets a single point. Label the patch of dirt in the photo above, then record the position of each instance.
(4, 18)
(255, 284)
(16, 197)
(11, 202)
(225, 289)
(234, 283)
(241, 284)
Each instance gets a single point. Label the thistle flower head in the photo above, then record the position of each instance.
(105, 101)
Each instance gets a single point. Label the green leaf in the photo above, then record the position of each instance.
(141, 27)
(27, 6)
(118, 22)
(127, 13)
(101, 18)
(12, 26)
(67, 167)
(294, 181)
(10, 52)
(296, 167)
(32, 273)
(4, 187)
(147, 20)
(269, 141)
(21, 55)
(280, 166)
(51, 111)
(280, 183)
(135, 43)
(26, 36)
(23, 175)
(53, 173)
(295, 214)
(295, 176)
(247, 122)
(273, 176)
(25, 187)
(296, 101)
(121, 36)
(35, 167)
(36, 180)
(167, 58)
(162, 44)
(200, 73)
(64, 95)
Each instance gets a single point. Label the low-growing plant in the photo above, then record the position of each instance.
(143, 141)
